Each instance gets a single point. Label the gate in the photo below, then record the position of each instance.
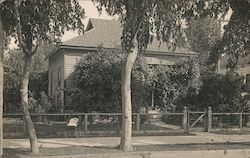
(196, 119)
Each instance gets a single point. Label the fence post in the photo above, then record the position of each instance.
(185, 119)
(209, 119)
(65, 118)
(138, 122)
(188, 119)
(85, 124)
(240, 120)
(205, 120)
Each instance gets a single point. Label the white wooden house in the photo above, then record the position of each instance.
(105, 34)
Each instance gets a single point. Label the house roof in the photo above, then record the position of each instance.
(107, 34)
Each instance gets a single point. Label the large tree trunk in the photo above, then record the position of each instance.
(125, 143)
(24, 105)
(1, 84)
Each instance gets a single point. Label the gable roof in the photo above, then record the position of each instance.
(107, 34)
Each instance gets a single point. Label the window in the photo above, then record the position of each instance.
(59, 77)
(248, 79)
(51, 82)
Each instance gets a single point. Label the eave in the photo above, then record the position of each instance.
(63, 47)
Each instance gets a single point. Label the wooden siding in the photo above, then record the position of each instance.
(71, 58)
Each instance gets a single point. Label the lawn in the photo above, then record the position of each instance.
(233, 132)
(57, 129)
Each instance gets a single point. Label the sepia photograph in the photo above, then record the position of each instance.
(124, 78)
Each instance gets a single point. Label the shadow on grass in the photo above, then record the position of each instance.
(90, 135)
(231, 132)
(78, 150)
(70, 150)
(15, 152)
(194, 146)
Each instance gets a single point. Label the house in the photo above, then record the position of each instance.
(242, 67)
(105, 34)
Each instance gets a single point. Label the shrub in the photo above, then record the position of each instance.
(41, 105)
(220, 91)
(175, 82)
(97, 82)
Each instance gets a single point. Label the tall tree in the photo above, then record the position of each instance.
(139, 18)
(236, 38)
(203, 34)
(32, 22)
(2, 43)
(2, 39)
(166, 20)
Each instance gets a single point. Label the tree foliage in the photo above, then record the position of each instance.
(97, 82)
(236, 40)
(41, 104)
(167, 20)
(203, 34)
(175, 82)
(13, 73)
(31, 22)
(45, 20)
(223, 92)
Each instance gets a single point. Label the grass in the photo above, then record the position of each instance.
(233, 132)
(57, 129)
(76, 150)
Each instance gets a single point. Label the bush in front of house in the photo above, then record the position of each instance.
(40, 105)
(13, 64)
(97, 83)
(174, 82)
(220, 91)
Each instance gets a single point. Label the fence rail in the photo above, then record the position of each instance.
(70, 114)
(54, 124)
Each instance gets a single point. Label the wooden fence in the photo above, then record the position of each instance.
(184, 121)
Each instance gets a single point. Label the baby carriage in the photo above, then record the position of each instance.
(73, 126)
